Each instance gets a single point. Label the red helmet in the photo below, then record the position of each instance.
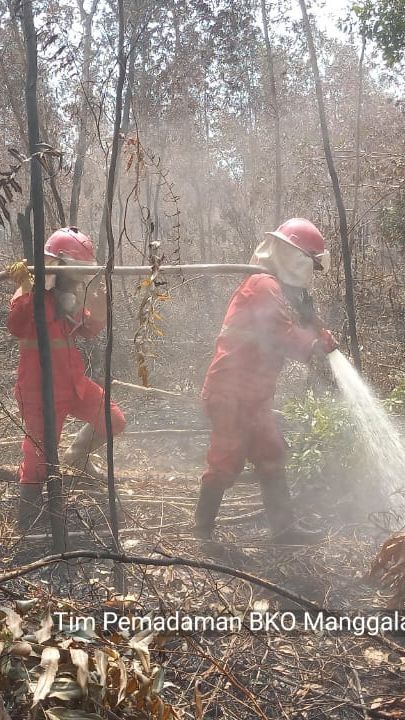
(304, 235)
(70, 244)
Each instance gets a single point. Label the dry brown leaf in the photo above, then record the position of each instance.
(65, 688)
(123, 680)
(101, 663)
(13, 621)
(45, 631)
(62, 713)
(140, 643)
(49, 661)
(26, 605)
(21, 649)
(81, 660)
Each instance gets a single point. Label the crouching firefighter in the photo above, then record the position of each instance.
(261, 330)
(72, 308)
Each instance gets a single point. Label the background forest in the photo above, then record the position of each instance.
(220, 140)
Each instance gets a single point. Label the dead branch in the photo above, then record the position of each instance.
(148, 390)
(159, 562)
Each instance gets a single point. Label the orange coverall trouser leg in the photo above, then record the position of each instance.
(89, 408)
(240, 433)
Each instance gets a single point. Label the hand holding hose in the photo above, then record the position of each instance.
(325, 343)
(96, 303)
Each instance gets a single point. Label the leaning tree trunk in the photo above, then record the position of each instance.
(37, 198)
(344, 233)
(276, 116)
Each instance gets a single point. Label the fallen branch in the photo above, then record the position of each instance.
(148, 390)
(159, 562)
(166, 431)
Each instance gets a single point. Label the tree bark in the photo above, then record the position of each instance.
(108, 277)
(102, 239)
(37, 197)
(87, 21)
(357, 138)
(276, 116)
(344, 233)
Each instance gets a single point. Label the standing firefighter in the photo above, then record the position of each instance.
(71, 309)
(258, 335)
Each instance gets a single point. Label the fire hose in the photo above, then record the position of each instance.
(139, 270)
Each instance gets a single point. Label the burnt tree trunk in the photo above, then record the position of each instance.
(344, 232)
(37, 198)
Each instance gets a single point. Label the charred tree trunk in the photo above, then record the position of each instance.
(276, 116)
(87, 21)
(24, 227)
(37, 198)
(344, 232)
(108, 276)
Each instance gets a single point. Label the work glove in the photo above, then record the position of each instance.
(18, 271)
(326, 342)
(95, 302)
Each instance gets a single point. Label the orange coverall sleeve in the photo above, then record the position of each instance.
(293, 341)
(20, 320)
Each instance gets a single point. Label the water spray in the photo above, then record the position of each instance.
(383, 445)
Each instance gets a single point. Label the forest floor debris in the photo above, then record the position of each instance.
(246, 674)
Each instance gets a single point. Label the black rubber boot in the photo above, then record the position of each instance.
(206, 511)
(285, 529)
(30, 506)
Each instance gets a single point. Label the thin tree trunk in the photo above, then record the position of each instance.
(87, 20)
(108, 276)
(357, 139)
(50, 439)
(344, 233)
(276, 116)
(102, 239)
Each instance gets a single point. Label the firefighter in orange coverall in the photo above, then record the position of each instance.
(260, 332)
(72, 309)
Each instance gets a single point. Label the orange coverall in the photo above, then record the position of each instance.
(74, 393)
(257, 336)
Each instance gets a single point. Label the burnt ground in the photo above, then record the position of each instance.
(291, 674)
(279, 674)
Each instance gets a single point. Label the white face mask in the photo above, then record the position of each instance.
(50, 280)
(288, 263)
